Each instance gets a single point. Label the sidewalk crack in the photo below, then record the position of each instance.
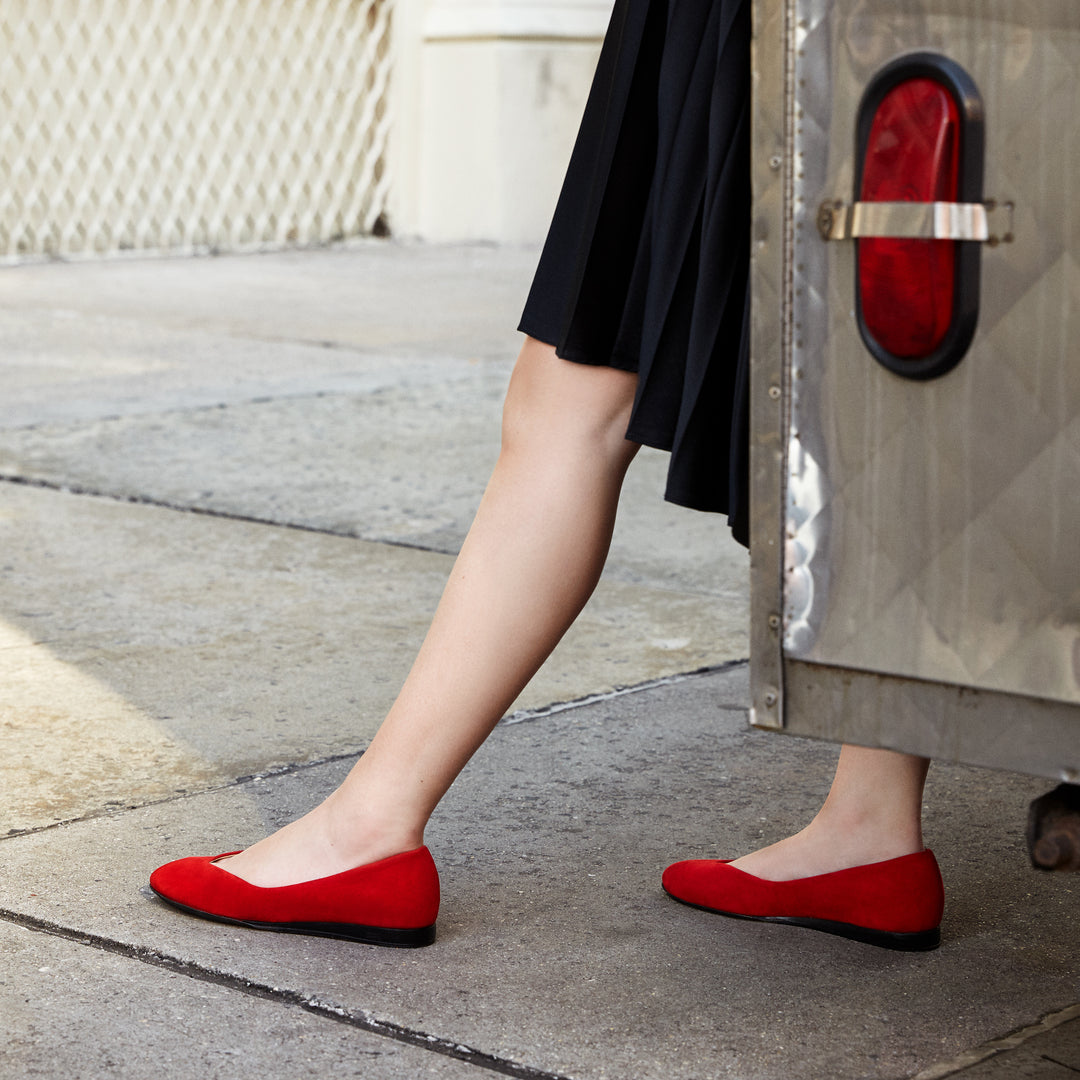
(291, 767)
(328, 1010)
(525, 715)
(270, 772)
(1063, 1064)
(998, 1047)
(75, 488)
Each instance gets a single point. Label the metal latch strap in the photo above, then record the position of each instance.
(988, 222)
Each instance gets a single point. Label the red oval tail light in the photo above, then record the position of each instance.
(920, 140)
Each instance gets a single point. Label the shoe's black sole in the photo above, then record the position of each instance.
(919, 941)
(365, 935)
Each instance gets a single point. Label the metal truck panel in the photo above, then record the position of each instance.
(920, 532)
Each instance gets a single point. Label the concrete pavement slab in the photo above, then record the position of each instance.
(80, 365)
(403, 463)
(148, 650)
(1048, 1050)
(1063, 1044)
(81, 1012)
(557, 948)
(1021, 1065)
(460, 300)
(355, 390)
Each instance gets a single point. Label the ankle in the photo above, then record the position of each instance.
(871, 829)
(358, 833)
(829, 843)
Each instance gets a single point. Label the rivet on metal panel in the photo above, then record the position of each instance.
(774, 622)
(771, 698)
(775, 162)
(826, 217)
(1007, 236)
(774, 393)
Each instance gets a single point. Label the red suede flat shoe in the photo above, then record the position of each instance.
(896, 904)
(390, 902)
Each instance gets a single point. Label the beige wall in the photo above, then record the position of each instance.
(487, 97)
(185, 125)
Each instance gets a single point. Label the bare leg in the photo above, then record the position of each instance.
(531, 560)
(873, 812)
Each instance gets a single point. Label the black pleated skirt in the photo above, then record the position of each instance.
(645, 266)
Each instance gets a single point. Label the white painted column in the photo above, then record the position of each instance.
(487, 101)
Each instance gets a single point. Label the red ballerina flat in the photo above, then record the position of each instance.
(896, 904)
(390, 902)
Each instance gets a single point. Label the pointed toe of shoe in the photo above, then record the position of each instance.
(896, 903)
(193, 882)
(700, 882)
(394, 901)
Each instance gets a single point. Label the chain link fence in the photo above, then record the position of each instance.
(186, 125)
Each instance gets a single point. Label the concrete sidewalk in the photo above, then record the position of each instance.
(232, 489)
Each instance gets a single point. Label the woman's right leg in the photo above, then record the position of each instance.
(873, 812)
(530, 561)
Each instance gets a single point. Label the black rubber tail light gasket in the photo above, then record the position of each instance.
(965, 314)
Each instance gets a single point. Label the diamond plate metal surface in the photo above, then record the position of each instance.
(932, 529)
(139, 124)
